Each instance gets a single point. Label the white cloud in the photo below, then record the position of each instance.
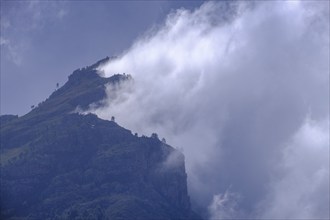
(225, 206)
(173, 161)
(230, 83)
(302, 190)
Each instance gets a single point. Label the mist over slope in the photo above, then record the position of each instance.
(243, 88)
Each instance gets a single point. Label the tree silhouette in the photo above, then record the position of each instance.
(112, 118)
(154, 135)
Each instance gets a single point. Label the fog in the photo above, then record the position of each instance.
(242, 89)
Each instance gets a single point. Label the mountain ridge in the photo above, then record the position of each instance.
(57, 164)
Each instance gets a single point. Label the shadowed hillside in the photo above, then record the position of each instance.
(57, 164)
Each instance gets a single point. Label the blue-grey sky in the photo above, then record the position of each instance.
(42, 42)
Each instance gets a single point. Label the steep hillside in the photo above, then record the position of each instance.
(57, 164)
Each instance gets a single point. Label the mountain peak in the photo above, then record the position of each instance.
(56, 164)
(83, 88)
(88, 72)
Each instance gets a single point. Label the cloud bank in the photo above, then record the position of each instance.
(243, 89)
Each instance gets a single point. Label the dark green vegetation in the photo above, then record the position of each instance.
(57, 164)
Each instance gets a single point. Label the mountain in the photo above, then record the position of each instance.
(58, 164)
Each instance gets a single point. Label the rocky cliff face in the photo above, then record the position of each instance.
(56, 164)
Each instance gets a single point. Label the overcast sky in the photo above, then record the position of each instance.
(42, 42)
(242, 88)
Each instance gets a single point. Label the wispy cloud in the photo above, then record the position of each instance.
(302, 189)
(23, 17)
(225, 206)
(232, 83)
(12, 51)
(4, 41)
(62, 13)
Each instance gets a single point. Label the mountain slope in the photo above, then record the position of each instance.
(57, 164)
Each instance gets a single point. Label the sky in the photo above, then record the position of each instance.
(43, 42)
(241, 88)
